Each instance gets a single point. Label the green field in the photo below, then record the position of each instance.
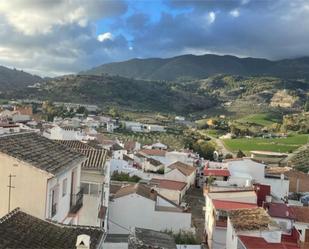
(259, 119)
(284, 145)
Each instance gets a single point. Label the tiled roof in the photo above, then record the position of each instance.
(168, 184)
(39, 151)
(250, 219)
(75, 144)
(279, 210)
(251, 242)
(301, 213)
(138, 189)
(153, 152)
(146, 238)
(154, 162)
(95, 157)
(231, 205)
(19, 230)
(183, 168)
(216, 172)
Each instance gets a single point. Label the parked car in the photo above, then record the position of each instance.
(305, 200)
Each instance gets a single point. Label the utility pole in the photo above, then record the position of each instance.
(10, 186)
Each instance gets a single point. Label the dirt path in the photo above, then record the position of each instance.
(221, 147)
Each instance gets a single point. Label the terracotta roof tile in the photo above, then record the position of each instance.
(260, 243)
(216, 172)
(279, 210)
(168, 184)
(231, 205)
(153, 152)
(183, 168)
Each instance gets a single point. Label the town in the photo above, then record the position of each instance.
(70, 183)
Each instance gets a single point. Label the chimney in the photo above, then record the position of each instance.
(83, 241)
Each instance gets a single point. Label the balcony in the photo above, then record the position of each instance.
(76, 202)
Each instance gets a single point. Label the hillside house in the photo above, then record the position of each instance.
(216, 213)
(45, 176)
(172, 190)
(302, 223)
(95, 180)
(254, 228)
(181, 172)
(136, 205)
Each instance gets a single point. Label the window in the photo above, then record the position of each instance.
(64, 186)
(85, 187)
(94, 189)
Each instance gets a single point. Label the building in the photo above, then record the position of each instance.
(181, 172)
(172, 190)
(302, 222)
(248, 225)
(283, 215)
(141, 238)
(95, 180)
(44, 177)
(216, 213)
(137, 205)
(19, 229)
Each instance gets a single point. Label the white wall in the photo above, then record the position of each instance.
(247, 166)
(279, 188)
(136, 211)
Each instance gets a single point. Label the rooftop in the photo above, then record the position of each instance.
(146, 238)
(260, 243)
(216, 172)
(279, 210)
(95, 157)
(168, 184)
(39, 151)
(183, 168)
(250, 219)
(20, 230)
(231, 205)
(138, 189)
(153, 152)
(301, 213)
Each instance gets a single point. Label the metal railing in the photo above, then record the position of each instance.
(76, 202)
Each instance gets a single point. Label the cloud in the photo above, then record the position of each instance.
(105, 36)
(211, 17)
(235, 13)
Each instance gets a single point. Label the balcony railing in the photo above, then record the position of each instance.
(76, 202)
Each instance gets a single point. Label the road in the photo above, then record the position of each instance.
(221, 147)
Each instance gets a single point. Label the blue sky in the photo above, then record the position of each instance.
(54, 37)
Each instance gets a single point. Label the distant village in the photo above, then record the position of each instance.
(66, 184)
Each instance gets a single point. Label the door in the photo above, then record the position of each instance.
(73, 187)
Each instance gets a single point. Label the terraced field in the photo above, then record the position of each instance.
(285, 145)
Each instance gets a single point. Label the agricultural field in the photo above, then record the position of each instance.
(261, 119)
(285, 145)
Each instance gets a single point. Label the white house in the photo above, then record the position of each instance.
(137, 205)
(216, 213)
(172, 190)
(45, 176)
(58, 133)
(252, 223)
(301, 222)
(181, 172)
(95, 178)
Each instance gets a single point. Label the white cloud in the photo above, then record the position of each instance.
(105, 36)
(211, 17)
(235, 13)
(40, 16)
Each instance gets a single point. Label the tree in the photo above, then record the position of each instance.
(306, 107)
(240, 154)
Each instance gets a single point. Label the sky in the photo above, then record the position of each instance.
(55, 37)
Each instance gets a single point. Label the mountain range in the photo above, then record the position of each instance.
(186, 67)
(11, 79)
